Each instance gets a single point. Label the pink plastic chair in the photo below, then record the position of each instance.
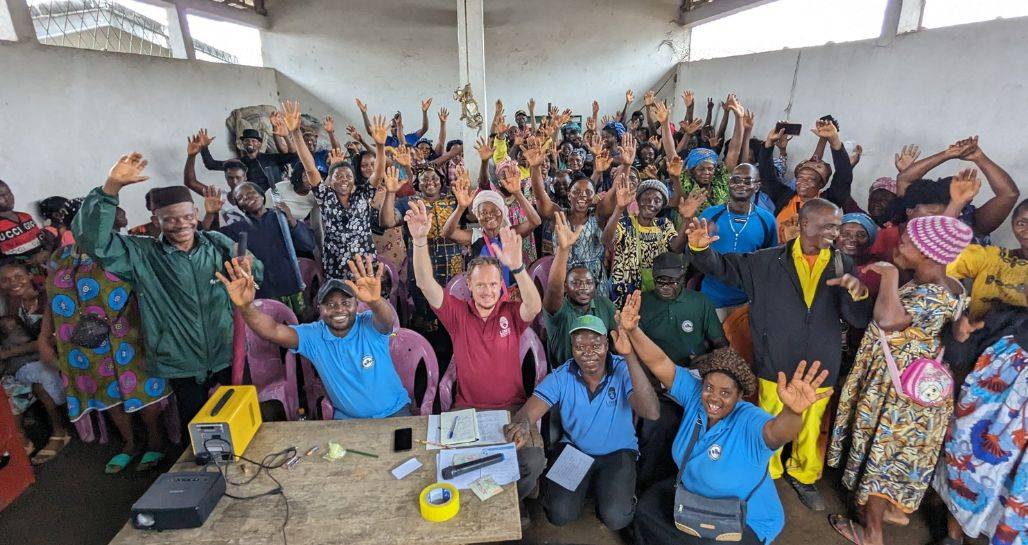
(458, 287)
(361, 307)
(394, 280)
(313, 276)
(407, 349)
(313, 388)
(539, 270)
(169, 409)
(529, 343)
(273, 375)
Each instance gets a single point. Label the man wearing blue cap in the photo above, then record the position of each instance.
(596, 393)
(349, 349)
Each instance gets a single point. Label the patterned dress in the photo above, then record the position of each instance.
(390, 244)
(347, 228)
(114, 373)
(983, 478)
(635, 246)
(588, 250)
(895, 442)
(517, 215)
(447, 256)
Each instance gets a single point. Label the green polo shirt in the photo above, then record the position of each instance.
(680, 326)
(187, 320)
(558, 326)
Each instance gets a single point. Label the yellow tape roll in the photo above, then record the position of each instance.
(439, 502)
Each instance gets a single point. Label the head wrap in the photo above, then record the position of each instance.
(571, 125)
(939, 238)
(493, 197)
(507, 164)
(700, 155)
(617, 127)
(167, 196)
(653, 184)
(821, 168)
(864, 221)
(886, 183)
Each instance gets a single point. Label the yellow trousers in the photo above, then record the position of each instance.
(806, 462)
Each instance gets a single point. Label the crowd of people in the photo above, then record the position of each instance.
(710, 301)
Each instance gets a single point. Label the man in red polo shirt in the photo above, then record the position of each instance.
(486, 331)
(19, 234)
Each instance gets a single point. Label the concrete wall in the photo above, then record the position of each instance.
(392, 54)
(67, 114)
(930, 88)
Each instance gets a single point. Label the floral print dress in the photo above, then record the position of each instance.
(347, 228)
(895, 442)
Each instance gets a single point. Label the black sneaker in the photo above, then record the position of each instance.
(808, 494)
(526, 521)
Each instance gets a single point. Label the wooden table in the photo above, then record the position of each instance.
(352, 501)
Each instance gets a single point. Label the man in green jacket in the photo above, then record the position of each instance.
(186, 316)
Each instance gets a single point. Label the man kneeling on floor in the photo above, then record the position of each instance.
(350, 350)
(597, 393)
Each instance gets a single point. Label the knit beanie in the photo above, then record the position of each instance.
(655, 185)
(940, 238)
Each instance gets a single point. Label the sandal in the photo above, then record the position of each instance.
(118, 463)
(47, 453)
(847, 529)
(150, 460)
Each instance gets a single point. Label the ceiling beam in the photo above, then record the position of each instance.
(216, 11)
(714, 10)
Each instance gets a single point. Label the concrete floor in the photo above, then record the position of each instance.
(74, 503)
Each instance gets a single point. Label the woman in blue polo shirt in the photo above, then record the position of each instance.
(736, 440)
(597, 393)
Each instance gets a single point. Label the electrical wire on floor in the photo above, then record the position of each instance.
(274, 460)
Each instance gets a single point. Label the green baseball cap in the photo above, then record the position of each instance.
(590, 323)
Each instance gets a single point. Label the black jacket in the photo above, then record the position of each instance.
(784, 330)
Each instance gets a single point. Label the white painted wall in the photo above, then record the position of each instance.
(394, 53)
(931, 88)
(67, 114)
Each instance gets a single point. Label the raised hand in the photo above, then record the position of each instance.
(660, 112)
(354, 135)
(590, 126)
(850, 283)
(629, 96)
(774, 137)
(462, 189)
(699, 235)
(563, 234)
(596, 108)
(825, 129)
(906, 157)
(403, 155)
(627, 148)
(688, 97)
(212, 202)
(392, 180)
(971, 151)
(602, 161)
(485, 151)
(361, 106)
(510, 254)
(607, 118)
(856, 154)
(365, 283)
(291, 115)
(712, 138)
(624, 195)
(674, 167)
(278, 123)
(239, 282)
(204, 139)
(444, 114)
(628, 318)
(533, 152)
(965, 186)
(692, 127)
(748, 119)
(688, 206)
(962, 148)
(648, 98)
(330, 124)
(379, 130)
(622, 344)
(426, 104)
(733, 104)
(193, 145)
(128, 170)
(801, 391)
(335, 156)
(418, 224)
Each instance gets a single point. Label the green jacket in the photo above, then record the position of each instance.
(187, 320)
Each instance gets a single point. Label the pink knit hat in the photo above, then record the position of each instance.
(886, 183)
(940, 238)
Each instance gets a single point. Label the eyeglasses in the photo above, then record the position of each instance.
(739, 180)
(588, 348)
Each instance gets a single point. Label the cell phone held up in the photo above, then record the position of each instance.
(402, 439)
(792, 129)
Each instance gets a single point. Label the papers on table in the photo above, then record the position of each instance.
(570, 468)
(490, 429)
(502, 473)
(458, 427)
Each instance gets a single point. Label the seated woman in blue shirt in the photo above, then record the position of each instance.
(350, 350)
(731, 454)
(597, 393)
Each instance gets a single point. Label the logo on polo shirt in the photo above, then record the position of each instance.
(687, 326)
(611, 393)
(504, 326)
(367, 362)
(714, 452)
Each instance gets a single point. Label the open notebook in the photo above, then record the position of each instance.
(486, 428)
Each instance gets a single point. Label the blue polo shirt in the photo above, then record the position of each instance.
(751, 232)
(728, 459)
(357, 369)
(595, 423)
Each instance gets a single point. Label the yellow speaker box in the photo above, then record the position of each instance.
(227, 423)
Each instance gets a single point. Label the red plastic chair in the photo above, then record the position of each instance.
(529, 343)
(408, 349)
(458, 287)
(273, 375)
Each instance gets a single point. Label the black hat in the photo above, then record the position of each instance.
(333, 284)
(160, 197)
(252, 133)
(669, 264)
